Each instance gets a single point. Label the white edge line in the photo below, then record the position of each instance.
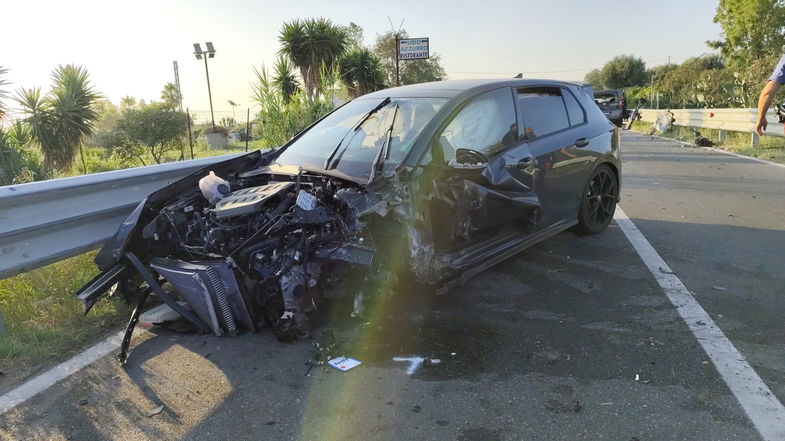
(43, 381)
(716, 150)
(760, 404)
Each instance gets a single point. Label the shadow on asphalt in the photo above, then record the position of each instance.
(570, 339)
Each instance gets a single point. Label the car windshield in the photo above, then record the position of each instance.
(349, 140)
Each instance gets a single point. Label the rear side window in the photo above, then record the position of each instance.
(487, 124)
(574, 110)
(543, 110)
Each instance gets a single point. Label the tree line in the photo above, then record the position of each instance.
(751, 43)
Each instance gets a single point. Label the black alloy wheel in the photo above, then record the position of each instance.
(599, 201)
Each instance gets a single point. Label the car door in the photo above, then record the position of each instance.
(484, 184)
(556, 132)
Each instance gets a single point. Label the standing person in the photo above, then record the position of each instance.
(776, 81)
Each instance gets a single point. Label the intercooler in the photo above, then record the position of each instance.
(212, 291)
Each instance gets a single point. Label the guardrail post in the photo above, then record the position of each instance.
(720, 135)
(755, 140)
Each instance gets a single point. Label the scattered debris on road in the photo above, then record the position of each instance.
(343, 364)
(719, 288)
(155, 411)
(415, 362)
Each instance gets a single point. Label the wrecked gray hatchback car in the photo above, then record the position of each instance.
(425, 184)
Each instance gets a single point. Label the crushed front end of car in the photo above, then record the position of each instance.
(261, 246)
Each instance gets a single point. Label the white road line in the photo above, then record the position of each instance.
(761, 406)
(60, 372)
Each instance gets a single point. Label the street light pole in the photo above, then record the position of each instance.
(209, 53)
(209, 92)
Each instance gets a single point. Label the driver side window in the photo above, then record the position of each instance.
(487, 124)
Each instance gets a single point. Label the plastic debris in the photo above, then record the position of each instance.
(416, 361)
(160, 314)
(156, 411)
(719, 288)
(343, 364)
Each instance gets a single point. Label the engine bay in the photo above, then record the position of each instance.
(269, 248)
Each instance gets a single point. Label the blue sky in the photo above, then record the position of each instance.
(128, 47)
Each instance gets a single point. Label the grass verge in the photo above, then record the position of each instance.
(43, 318)
(44, 321)
(771, 148)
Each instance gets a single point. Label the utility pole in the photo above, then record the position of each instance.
(177, 84)
(651, 95)
(397, 60)
(247, 127)
(397, 33)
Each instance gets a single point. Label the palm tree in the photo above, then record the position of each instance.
(62, 119)
(127, 102)
(361, 72)
(3, 94)
(171, 95)
(284, 78)
(311, 45)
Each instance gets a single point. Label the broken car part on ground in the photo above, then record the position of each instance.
(425, 184)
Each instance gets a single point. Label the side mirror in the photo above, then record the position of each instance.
(466, 158)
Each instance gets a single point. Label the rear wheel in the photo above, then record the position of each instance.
(599, 201)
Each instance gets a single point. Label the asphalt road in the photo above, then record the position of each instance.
(572, 339)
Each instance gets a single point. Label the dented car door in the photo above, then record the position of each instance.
(484, 187)
(555, 127)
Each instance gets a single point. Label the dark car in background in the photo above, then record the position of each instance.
(427, 184)
(613, 104)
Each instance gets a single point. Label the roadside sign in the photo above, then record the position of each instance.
(413, 48)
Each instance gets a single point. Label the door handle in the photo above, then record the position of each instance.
(582, 142)
(526, 163)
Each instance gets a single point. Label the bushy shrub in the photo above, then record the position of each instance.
(280, 119)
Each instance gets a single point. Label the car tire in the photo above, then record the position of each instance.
(618, 122)
(598, 201)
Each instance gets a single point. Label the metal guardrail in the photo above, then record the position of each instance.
(732, 120)
(42, 222)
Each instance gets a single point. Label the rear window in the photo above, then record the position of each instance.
(605, 99)
(574, 110)
(544, 111)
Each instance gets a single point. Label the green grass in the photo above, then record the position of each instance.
(44, 319)
(771, 148)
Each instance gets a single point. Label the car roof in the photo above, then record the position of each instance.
(451, 88)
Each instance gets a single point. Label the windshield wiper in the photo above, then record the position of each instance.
(356, 127)
(384, 151)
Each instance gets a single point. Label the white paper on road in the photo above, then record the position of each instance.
(343, 363)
